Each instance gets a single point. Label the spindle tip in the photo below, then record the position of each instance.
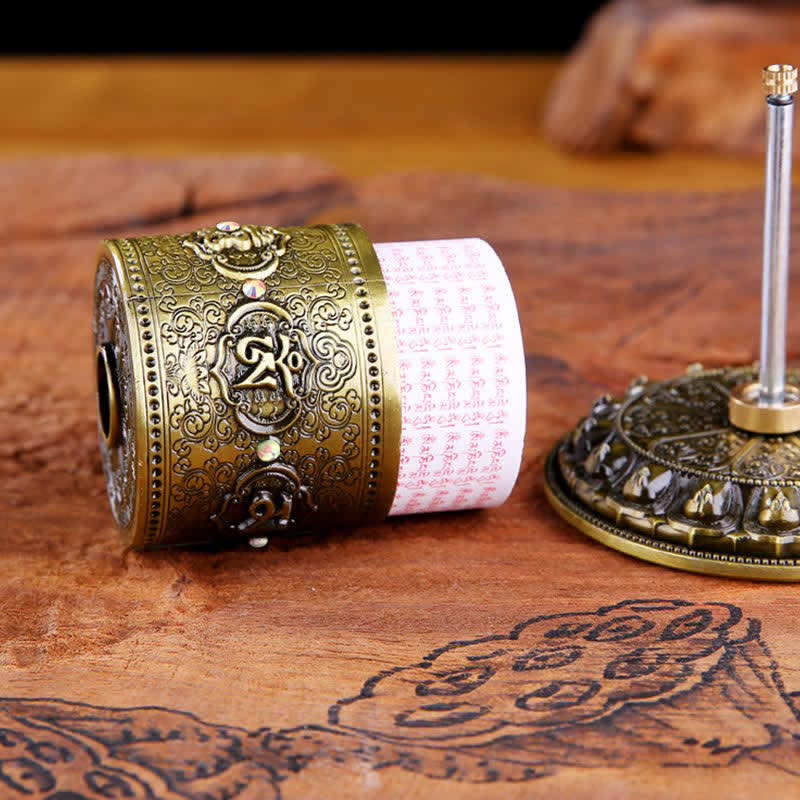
(779, 79)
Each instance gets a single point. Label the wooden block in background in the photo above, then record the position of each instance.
(477, 654)
(680, 74)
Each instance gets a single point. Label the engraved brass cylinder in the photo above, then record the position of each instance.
(247, 383)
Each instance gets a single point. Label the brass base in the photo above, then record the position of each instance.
(662, 474)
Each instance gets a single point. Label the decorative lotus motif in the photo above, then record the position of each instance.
(187, 373)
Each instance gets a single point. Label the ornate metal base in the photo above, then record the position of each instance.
(662, 475)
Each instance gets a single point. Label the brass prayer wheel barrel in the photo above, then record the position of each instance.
(247, 383)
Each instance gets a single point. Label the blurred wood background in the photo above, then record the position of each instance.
(663, 74)
(363, 115)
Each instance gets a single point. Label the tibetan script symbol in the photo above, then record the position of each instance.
(257, 352)
(263, 367)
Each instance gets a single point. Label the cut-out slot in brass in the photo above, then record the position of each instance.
(108, 394)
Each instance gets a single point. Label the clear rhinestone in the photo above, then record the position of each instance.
(228, 225)
(254, 288)
(268, 449)
(259, 541)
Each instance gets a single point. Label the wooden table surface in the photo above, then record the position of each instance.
(364, 115)
(495, 654)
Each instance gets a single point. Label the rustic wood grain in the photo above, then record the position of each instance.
(293, 672)
(661, 75)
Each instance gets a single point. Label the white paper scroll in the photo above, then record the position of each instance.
(462, 374)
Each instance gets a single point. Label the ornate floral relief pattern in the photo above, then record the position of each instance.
(774, 459)
(200, 491)
(238, 368)
(196, 413)
(276, 378)
(314, 259)
(332, 476)
(119, 462)
(665, 464)
(324, 312)
(685, 421)
(185, 265)
(171, 273)
(709, 452)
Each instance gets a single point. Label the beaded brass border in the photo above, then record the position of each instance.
(258, 405)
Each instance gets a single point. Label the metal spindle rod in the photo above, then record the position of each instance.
(780, 82)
